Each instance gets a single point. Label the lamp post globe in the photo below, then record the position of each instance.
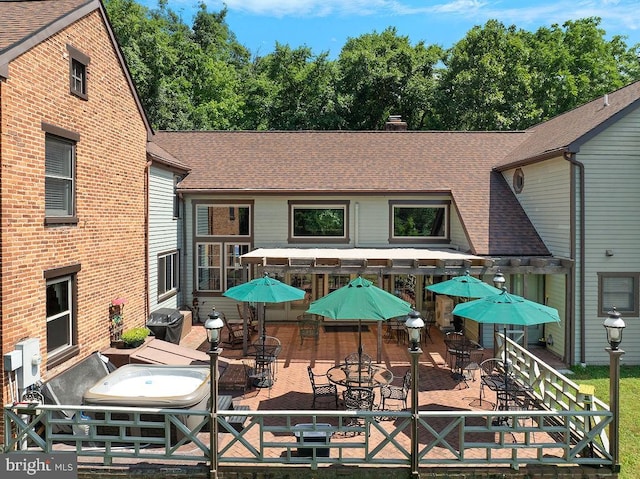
(614, 324)
(499, 280)
(213, 325)
(414, 325)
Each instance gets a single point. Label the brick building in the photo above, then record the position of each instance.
(74, 179)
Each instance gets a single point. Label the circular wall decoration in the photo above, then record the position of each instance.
(518, 180)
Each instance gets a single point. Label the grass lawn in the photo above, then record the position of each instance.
(598, 376)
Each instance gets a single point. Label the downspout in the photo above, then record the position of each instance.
(183, 250)
(571, 158)
(146, 239)
(356, 215)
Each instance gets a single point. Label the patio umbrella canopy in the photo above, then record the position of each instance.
(505, 308)
(264, 290)
(465, 286)
(360, 300)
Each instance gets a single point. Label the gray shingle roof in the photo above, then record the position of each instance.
(571, 129)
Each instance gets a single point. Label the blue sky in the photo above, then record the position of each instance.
(325, 25)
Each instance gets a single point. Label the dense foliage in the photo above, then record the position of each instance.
(495, 78)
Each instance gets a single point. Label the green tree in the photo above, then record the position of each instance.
(487, 84)
(574, 64)
(382, 74)
(292, 89)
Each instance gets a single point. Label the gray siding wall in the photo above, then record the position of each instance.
(163, 231)
(546, 200)
(368, 226)
(612, 176)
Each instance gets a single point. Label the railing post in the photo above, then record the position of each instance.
(415, 463)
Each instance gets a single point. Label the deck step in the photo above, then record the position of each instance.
(237, 422)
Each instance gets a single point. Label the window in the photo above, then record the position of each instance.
(78, 63)
(419, 221)
(168, 274)
(224, 220)
(518, 180)
(209, 269)
(312, 222)
(619, 290)
(233, 269)
(222, 235)
(59, 177)
(61, 296)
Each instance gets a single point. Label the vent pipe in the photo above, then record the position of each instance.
(606, 99)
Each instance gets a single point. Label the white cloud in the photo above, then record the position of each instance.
(615, 14)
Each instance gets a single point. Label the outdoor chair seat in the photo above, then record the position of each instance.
(309, 328)
(235, 332)
(323, 390)
(358, 399)
(397, 393)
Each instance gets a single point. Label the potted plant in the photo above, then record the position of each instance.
(134, 337)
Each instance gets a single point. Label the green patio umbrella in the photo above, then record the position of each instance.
(360, 300)
(264, 290)
(465, 286)
(505, 308)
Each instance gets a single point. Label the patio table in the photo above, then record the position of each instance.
(507, 388)
(373, 377)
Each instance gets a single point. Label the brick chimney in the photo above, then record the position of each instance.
(395, 123)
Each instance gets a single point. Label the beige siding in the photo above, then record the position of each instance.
(546, 200)
(612, 176)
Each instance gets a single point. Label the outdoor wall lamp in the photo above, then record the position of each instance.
(213, 325)
(414, 325)
(614, 325)
(498, 280)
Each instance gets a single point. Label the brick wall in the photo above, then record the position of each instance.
(109, 239)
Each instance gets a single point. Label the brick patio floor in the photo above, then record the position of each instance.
(438, 390)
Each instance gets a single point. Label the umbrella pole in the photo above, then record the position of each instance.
(359, 352)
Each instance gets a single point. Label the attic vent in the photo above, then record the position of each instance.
(395, 123)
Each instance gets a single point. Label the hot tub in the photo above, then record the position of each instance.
(154, 386)
(149, 385)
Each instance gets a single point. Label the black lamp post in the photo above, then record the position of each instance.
(213, 325)
(614, 325)
(414, 325)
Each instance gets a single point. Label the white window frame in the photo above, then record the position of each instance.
(232, 253)
(435, 205)
(168, 274)
(202, 268)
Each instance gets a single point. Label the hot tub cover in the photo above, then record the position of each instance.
(150, 385)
